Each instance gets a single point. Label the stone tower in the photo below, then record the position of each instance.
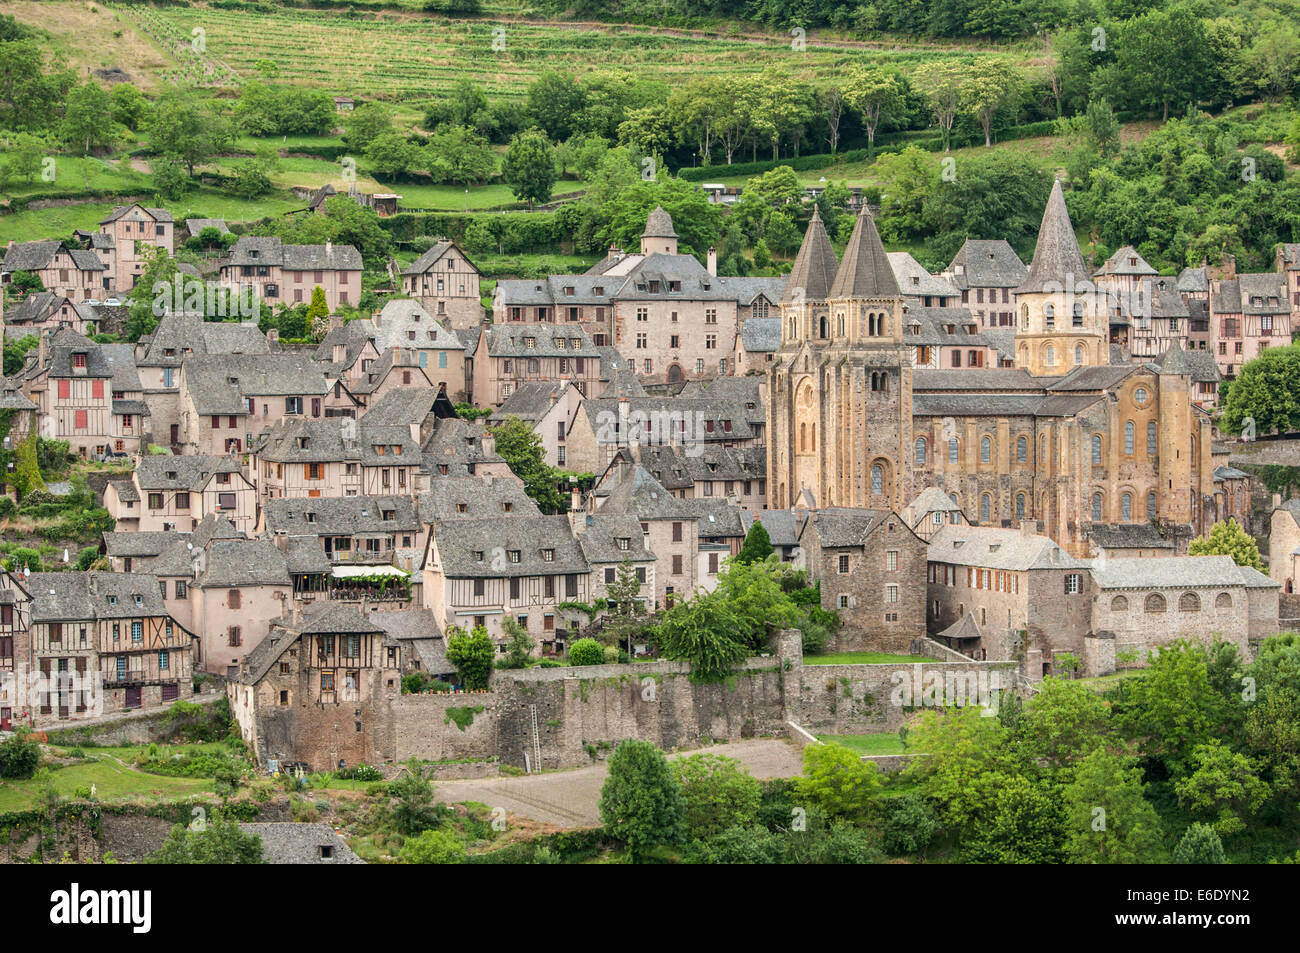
(659, 237)
(1061, 319)
(841, 384)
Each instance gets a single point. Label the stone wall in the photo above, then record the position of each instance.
(429, 726)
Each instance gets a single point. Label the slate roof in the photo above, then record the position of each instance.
(865, 271)
(285, 842)
(195, 225)
(529, 536)
(140, 543)
(844, 526)
(337, 618)
(1171, 572)
(339, 516)
(1254, 579)
(76, 596)
(929, 326)
(1197, 364)
(782, 525)
(34, 256)
(659, 224)
(455, 443)
(353, 336)
(1119, 263)
(402, 315)
(1057, 263)
(914, 280)
(192, 472)
(218, 383)
(113, 361)
(991, 548)
(531, 400)
(599, 533)
(11, 398)
(964, 628)
(1128, 536)
(283, 442)
(243, 562)
(638, 493)
(126, 492)
(158, 214)
(928, 501)
(512, 341)
(814, 266)
(761, 335)
(428, 259)
(986, 264)
(1252, 294)
(1192, 280)
(482, 497)
(39, 307)
(186, 335)
(400, 407)
(270, 251)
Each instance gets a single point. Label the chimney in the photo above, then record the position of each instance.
(336, 321)
(1028, 528)
(377, 319)
(329, 250)
(624, 408)
(1277, 500)
(43, 350)
(489, 443)
(575, 498)
(713, 262)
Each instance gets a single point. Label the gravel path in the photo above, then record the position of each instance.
(570, 798)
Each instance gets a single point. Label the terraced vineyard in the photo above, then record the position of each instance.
(398, 55)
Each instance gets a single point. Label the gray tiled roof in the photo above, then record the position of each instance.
(659, 224)
(183, 335)
(1252, 294)
(814, 266)
(285, 842)
(33, 256)
(40, 306)
(321, 440)
(1191, 280)
(991, 548)
(1170, 572)
(191, 472)
(844, 526)
(195, 225)
(158, 214)
(1128, 536)
(400, 407)
(218, 383)
(599, 536)
(339, 516)
(986, 264)
(913, 279)
(637, 492)
(1057, 261)
(271, 252)
(1197, 364)
(529, 536)
(73, 596)
(865, 271)
(140, 543)
(243, 562)
(401, 316)
(1126, 261)
(761, 335)
(512, 341)
(482, 498)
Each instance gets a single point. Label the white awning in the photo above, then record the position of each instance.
(352, 572)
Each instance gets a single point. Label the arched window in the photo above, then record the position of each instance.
(839, 325)
(1096, 507)
(1189, 602)
(872, 326)
(1078, 354)
(1078, 316)
(920, 451)
(821, 325)
(1096, 449)
(1151, 505)
(1049, 313)
(1151, 438)
(1022, 449)
(1140, 395)
(1020, 506)
(1024, 317)
(877, 480)
(952, 449)
(1126, 507)
(1050, 360)
(986, 450)
(1223, 600)
(1128, 438)
(884, 382)
(803, 438)
(1042, 449)
(793, 333)
(986, 504)
(1155, 603)
(1119, 604)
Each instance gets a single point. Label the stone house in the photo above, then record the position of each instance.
(354, 530)
(931, 511)
(334, 457)
(867, 563)
(15, 647)
(458, 447)
(238, 585)
(42, 311)
(68, 272)
(601, 537)
(446, 283)
(170, 493)
(319, 689)
(478, 572)
(1128, 541)
(920, 288)
(755, 344)
(511, 355)
(1249, 314)
(430, 341)
(986, 273)
(123, 235)
(1284, 543)
(104, 643)
(1008, 594)
(946, 337)
(669, 529)
(87, 394)
(554, 411)
(287, 274)
(159, 356)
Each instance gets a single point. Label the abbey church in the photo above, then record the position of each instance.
(1065, 437)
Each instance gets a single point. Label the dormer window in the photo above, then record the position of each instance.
(530, 342)
(513, 555)
(507, 506)
(478, 555)
(112, 600)
(624, 543)
(389, 515)
(568, 289)
(462, 507)
(252, 253)
(548, 555)
(171, 474)
(598, 290)
(311, 517)
(139, 600)
(79, 360)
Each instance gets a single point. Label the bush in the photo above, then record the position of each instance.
(717, 792)
(19, 756)
(432, 847)
(586, 652)
(362, 772)
(910, 824)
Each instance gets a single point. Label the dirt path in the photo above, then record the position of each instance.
(570, 798)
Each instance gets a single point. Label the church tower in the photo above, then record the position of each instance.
(1061, 319)
(659, 237)
(840, 389)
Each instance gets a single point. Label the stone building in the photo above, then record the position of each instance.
(1064, 438)
(42, 311)
(122, 238)
(986, 272)
(171, 492)
(1284, 543)
(446, 283)
(867, 563)
(288, 274)
(66, 272)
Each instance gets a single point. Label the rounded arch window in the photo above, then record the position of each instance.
(986, 450)
(986, 506)
(1151, 505)
(1119, 604)
(1155, 603)
(877, 479)
(952, 449)
(1096, 507)
(1050, 356)
(1024, 317)
(1049, 312)
(1152, 445)
(1078, 354)
(1189, 602)
(1022, 449)
(1126, 507)
(1096, 449)
(1128, 438)
(1223, 600)
(1020, 506)
(920, 451)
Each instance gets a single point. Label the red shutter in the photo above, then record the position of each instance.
(97, 389)
(79, 420)
(65, 390)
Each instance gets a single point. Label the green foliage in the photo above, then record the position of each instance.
(1108, 819)
(717, 793)
(26, 478)
(520, 446)
(1200, 845)
(909, 825)
(839, 782)
(529, 168)
(701, 632)
(20, 756)
(1024, 826)
(640, 802)
(586, 652)
(968, 753)
(757, 546)
(1062, 722)
(519, 644)
(432, 847)
(470, 412)
(1224, 785)
(473, 654)
(413, 810)
(217, 841)
(1228, 539)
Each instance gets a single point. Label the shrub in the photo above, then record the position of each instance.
(910, 824)
(586, 652)
(432, 847)
(19, 756)
(717, 792)
(640, 802)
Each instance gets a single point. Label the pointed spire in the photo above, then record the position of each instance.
(1057, 260)
(814, 266)
(865, 271)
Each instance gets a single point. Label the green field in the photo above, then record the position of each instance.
(394, 54)
(111, 773)
(866, 744)
(863, 658)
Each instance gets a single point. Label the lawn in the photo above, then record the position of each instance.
(866, 744)
(1104, 683)
(113, 781)
(863, 658)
